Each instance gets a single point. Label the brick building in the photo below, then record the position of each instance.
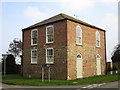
(74, 49)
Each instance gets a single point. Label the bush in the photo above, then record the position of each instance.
(109, 69)
(10, 65)
(114, 68)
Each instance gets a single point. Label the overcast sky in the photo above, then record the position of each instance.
(17, 15)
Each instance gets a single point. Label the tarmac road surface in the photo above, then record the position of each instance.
(103, 86)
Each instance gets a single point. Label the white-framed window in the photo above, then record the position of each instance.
(97, 39)
(34, 56)
(34, 36)
(49, 55)
(78, 35)
(50, 34)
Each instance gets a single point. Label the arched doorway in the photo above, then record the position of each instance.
(98, 65)
(79, 66)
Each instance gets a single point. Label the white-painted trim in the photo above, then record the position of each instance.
(46, 34)
(31, 56)
(98, 55)
(98, 65)
(80, 55)
(79, 66)
(31, 36)
(46, 56)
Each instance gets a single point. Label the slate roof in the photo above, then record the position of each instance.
(60, 17)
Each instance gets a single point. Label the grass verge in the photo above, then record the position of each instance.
(19, 80)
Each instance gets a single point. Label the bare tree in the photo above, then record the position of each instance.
(15, 47)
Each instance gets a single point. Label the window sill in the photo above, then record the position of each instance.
(34, 45)
(50, 63)
(33, 63)
(49, 42)
(78, 44)
(97, 46)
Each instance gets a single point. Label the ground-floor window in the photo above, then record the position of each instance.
(34, 56)
(49, 55)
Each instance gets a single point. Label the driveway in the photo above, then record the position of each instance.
(102, 86)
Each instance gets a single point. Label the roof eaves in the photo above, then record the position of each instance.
(84, 23)
(62, 17)
(79, 21)
(42, 24)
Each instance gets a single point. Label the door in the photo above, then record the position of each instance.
(98, 65)
(79, 66)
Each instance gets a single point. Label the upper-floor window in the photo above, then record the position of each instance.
(49, 55)
(34, 56)
(49, 34)
(97, 39)
(34, 36)
(78, 35)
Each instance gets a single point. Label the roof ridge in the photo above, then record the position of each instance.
(63, 15)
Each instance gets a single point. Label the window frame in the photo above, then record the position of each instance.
(32, 36)
(97, 38)
(47, 34)
(47, 58)
(36, 56)
(79, 36)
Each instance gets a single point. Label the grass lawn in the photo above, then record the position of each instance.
(19, 80)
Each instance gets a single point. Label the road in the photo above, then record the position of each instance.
(102, 86)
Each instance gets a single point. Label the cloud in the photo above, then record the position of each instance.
(77, 5)
(33, 12)
(109, 1)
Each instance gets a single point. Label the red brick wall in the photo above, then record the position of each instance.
(88, 50)
(58, 69)
(65, 51)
